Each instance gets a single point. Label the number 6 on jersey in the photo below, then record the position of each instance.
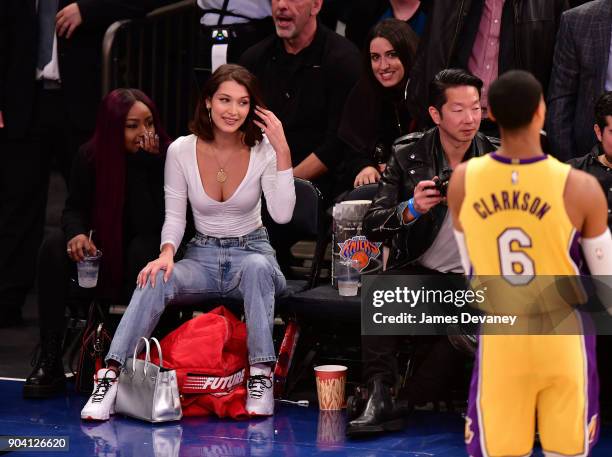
(516, 266)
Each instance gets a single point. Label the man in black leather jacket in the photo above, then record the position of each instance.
(598, 162)
(411, 214)
(525, 36)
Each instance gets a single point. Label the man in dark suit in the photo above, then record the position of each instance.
(49, 92)
(580, 73)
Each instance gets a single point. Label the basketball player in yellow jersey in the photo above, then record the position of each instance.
(518, 213)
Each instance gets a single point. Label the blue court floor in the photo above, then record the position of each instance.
(293, 431)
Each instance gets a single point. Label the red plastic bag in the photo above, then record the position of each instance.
(209, 354)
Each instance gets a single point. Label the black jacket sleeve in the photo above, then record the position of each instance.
(381, 221)
(563, 92)
(359, 128)
(144, 201)
(76, 217)
(354, 162)
(343, 69)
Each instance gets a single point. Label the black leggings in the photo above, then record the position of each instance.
(57, 278)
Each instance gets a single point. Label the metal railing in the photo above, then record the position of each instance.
(156, 54)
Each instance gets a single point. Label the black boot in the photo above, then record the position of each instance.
(379, 415)
(356, 403)
(48, 378)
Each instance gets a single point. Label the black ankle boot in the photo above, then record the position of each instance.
(356, 403)
(379, 415)
(47, 378)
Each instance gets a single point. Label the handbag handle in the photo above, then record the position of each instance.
(147, 356)
(159, 351)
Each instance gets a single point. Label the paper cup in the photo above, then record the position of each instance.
(331, 380)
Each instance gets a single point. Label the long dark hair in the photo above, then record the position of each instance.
(401, 37)
(201, 124)
(107, 149)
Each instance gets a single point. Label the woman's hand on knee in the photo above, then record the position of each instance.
(165, 262)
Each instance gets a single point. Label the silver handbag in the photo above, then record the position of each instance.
(147, 391)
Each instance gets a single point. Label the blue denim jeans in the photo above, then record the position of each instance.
(243, 268)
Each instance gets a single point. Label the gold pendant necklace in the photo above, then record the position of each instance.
(221, 176)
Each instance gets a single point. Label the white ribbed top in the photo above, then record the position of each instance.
(237, 216)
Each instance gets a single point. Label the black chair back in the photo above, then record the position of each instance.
(308, 203)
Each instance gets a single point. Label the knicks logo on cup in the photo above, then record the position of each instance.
(359, 248)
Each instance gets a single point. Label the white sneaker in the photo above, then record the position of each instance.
(260, 392)
(101, 404)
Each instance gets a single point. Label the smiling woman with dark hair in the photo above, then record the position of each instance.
(238, 150)
(116, 191)
(375, 113)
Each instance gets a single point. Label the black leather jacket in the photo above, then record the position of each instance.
(527, 42)
(415, 157)
(591, 164)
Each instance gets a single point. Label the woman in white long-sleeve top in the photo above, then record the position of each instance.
(237, 150)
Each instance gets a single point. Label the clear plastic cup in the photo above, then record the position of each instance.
(87, 270)
(348, 278)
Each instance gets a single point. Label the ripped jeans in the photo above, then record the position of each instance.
(244, 268)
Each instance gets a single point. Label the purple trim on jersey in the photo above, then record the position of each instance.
(473, 447)
(592, 395)
(511, 161)
(592, 385)
(591, 377)
(575, 254)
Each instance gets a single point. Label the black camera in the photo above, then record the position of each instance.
(442, 181)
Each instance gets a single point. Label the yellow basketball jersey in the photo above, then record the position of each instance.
(520, 240)
(514, 218)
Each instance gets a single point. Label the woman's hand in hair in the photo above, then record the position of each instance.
(150, 143)
(80, 246)
(272, 127)
(164, 262)
(368, 175)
